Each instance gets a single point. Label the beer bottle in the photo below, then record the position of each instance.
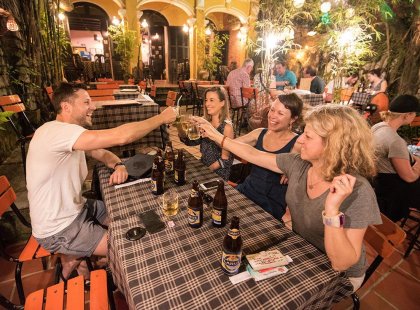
(169, 159)
(219, 210)
(232, 249)
(195, 207)
(179, 168)
(157, 177)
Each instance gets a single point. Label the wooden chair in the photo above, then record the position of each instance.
(101, 94)
(197, 98)
(345, 94)
(413, 215)
(105, 80)
(108, 86)
(171, 98)
(100, 296)
(381, 100)
(247, 94)
(186, 93)
(383, 238)
(21, 125)
(32, 249)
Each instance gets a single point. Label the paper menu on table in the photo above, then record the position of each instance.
(267, 259)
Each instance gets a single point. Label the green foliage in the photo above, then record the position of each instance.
(214, 52)
(4, 118)
(125, 44)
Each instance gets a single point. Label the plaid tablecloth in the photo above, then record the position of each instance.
(312, 99)
(118, 94)
(113, 116)
(128, 86)
(360, 98)
(178, 268)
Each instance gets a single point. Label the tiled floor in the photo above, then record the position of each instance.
(395, 285)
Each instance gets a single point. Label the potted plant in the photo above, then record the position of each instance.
(125, 45)
(212, 47)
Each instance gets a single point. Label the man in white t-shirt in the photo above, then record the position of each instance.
(62, 220)
(346, 82)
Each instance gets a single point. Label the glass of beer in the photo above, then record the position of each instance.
(185, 122)
(170, 203)
(193, 131)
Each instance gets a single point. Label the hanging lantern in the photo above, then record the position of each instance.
(325, 7)
(298, 3)
(11, 24)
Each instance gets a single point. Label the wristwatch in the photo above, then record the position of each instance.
(333, 221)
(119, 164)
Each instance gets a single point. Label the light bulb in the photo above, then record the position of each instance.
(298, 3)
(311, 33)
(207, 31)
(144, 24)
(115, 21)
(61, 16)
(11, 24)
(325, 7)
(185, 28)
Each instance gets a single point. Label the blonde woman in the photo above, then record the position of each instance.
(397, 183)
(330, 200)
(216, 112)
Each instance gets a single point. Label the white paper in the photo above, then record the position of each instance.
(132, 183)
(240, 277)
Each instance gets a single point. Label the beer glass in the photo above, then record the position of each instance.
(193, 131)
(185, 121)
(170, 203)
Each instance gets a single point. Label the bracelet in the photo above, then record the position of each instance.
(223, 141)
(120, 163)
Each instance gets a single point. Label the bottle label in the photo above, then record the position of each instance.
(193, 216)
(234, 233)
(216, 215)
(231, 262)
(154, 186)
(169, 165)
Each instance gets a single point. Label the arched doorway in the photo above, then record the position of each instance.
(87, 26)
(154, 28)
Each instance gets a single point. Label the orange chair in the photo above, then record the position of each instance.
(32, 249)
(105, 80)
(383, 238)
(381, 100)
(247, 94)
(22, 126)
(101, 94)
(49, 91)
(171, 98)
(108, 86)
(100, 295)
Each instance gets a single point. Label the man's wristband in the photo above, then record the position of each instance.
(120, 163)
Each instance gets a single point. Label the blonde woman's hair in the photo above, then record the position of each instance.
(348, 141)
(389, 116)
(222, 95)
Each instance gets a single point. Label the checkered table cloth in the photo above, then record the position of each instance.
(113, 116)
(361, 98)
(312, 99)
(118, 94)
(128, 86)
(179, 267)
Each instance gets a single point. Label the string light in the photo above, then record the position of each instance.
(298, 3)
(11, 24)
(185, 28)
(115, 21)
(144, 23)
(207, 31)
(325, 7)
(61, 16)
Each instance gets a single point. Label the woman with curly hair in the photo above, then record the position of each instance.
(330, 199)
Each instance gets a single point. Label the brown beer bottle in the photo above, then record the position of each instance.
(169, 159)
(219, 210)
(195, 207)
(157, 177)
(232, 249)
(179, 168)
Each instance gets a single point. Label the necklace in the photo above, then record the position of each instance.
(312, 186)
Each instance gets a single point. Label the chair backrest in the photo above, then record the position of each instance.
(49, 91)
(248, 93)
(345, 93)
(152, 93)
(381, 100)
(102, 98)
(100, 92)
(415, 122)
(7, 195)
(171, 98)
(305, 83)
(383, 238)
(108, 86)
(105, 80)
(75, 294)
(13, 103)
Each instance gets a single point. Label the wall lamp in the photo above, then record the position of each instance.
(11, 24)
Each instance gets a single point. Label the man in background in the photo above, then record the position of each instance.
(239, 78)
(317, 84)
(284, 77)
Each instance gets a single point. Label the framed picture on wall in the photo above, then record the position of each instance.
(78, 49)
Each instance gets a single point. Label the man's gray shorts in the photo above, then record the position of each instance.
(83, 235)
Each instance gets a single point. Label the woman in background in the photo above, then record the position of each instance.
(377, 84)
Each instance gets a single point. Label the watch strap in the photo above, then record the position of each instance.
(120, 163)
(333, 221)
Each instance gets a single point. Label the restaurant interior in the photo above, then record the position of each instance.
(136, 58)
